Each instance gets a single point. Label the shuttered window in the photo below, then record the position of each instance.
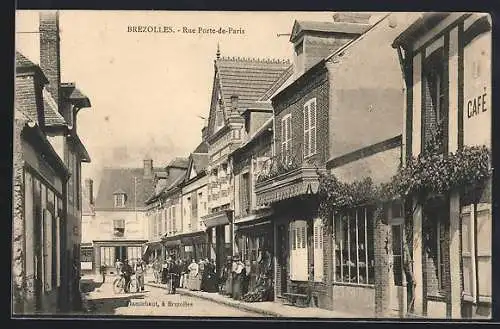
(318, 249)
(309, 114)
(286, 138)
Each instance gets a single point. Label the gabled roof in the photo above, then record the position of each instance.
(51, 112)
(200, 161)
(281, 80)
(166, 181)
(129, 180)
(299, 27)
(247, 78)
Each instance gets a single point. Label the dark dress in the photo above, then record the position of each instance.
(237, 284)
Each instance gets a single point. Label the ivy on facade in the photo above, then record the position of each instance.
(429, 173)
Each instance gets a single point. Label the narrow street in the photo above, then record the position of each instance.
(152, 302)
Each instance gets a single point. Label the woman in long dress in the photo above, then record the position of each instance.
(238, 275)
(193, 269)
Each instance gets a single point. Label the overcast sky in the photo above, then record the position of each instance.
(148, 89)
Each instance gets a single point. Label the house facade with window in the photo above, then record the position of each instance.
(238, 82)
(51, 154)
(161, 208)
(193, 236)
(120, 224)
(301, 144)
(446, 61)
(253, 228)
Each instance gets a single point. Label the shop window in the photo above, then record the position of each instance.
(476, 252)
(354, 247)
(298, 255)
(119, 227)
(107, 256)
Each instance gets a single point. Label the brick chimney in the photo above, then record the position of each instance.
(89, 188)
(148, 168)
(50, 51)
(352, 17)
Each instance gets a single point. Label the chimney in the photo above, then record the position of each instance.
(352, 17)
(50, 51)
(234, 102)
(89, 187)
(148, 168)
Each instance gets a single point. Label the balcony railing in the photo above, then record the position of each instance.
(276, 165)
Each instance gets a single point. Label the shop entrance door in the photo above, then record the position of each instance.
(121, 253)
(282, 255)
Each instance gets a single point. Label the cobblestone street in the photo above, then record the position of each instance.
(152, 302)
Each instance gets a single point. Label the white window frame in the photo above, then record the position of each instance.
(286, 138)
(119, 200)
(470, 214)
(310, 129)
(299, 266)
(122, 220)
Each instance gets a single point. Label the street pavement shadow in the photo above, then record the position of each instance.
(109, 305)
(89, 285)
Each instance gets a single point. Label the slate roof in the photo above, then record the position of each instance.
(200, 161)
(115, 179)
(272, 90)
(179, 162)
(201, 148)
(247, 78)
(52, 115)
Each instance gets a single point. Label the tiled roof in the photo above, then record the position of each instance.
(23, 62)
(282, 79)
(166, 181)
(114, 179)
(52, 115)
(247, 78)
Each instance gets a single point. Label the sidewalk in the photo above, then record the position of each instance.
(272, 309)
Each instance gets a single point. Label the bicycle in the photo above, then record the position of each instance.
(119, 284)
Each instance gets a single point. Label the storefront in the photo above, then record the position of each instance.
(152, 251)
(171, 246)
(87, 258)
(451, 52)
(219, 232)
(194, 245)
(108, 251)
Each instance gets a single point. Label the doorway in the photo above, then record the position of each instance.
(121, 252)
(282, 255)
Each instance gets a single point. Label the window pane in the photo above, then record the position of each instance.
(345, 249)
(370, 247)
(467, 273)
(483, 233)
(484, 273)
(397, 254)
(466, 241)
(303, 237)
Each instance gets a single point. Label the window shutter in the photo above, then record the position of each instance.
(283, 139)
(306, 145)
(288, 137)
(312, 127)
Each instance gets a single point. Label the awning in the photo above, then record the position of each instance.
(257, 225)
(220, 218)
(172, 243)
(194, 238)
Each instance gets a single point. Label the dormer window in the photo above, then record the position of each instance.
(119, 198)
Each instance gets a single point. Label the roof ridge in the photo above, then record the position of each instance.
(267, 60)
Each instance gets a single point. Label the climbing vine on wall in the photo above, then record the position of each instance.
(428, 173)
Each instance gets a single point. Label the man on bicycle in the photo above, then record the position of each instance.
(126, 273)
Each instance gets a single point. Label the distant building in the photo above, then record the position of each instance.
(118, 226)
(164, 213)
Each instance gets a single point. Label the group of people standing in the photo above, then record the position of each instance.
(248, 281)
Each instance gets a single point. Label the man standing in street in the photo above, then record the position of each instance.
(127, 273)
(103, 272)
(139, 274)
